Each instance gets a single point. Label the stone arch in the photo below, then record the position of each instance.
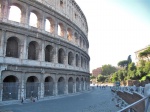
(21, 7)
(49, 53)
(37, 19)
(49, 25)
(33, 50)
(15, 8)
(61, 56)
(48, 86)
(77, 84)
(61, 30)
(32, 87)
(69, 34)
(77, 60)
(70, 85)
(70, 58)
(61, 85)
(12, 47)
(10, 88)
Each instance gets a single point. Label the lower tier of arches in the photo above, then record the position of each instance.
(16, 85)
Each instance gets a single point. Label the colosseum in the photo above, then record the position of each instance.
(43, 49)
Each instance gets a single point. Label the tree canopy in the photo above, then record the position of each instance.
(108, 69)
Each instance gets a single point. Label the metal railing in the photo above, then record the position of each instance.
(129, 107)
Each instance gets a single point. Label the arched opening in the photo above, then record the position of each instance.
(82, 62)
(12, 47)
(61, 86)
(61, 56)
(70, 58)
(49, 25)
(33, 21)
(82, 84)
(61, 30)
(32, 87)
(83, 44)
(80, 42)
(48, 86)
(77, 84)
(77, 60)
(33, 52)
(49, 53)
(61, 3)
(69, 34)
(76, 38)
(15, 10)
(70, 85)
(10, 88)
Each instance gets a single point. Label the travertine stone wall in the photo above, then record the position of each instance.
(30, 55)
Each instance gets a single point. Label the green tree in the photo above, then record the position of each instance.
(114, 77)
(146, 69)
(92, 77)
(101, 78)
(129, 59)
(123, 63)
(108, 69)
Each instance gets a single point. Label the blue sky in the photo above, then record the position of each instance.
(117, 28)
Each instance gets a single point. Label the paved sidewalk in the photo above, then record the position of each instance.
(97, 100)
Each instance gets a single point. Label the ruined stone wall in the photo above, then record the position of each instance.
(131, 98)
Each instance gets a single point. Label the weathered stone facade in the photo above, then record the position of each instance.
(39, 63)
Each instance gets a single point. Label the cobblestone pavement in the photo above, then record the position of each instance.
(97, 100)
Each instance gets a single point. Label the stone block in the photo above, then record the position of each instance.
(147, 90)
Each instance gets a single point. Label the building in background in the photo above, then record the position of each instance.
(137, 55)
(96, 71)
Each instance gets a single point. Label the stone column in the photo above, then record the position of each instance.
(56, 28)
(1, 10)
(56, 55)
(84, 85)
(74, 87)
(66, 88)
(80, 86)
(42, 54)
(65, 32)
(27, 16)
(2, 68)
(66, 58)
(40, 23)
(41, 85)
(42, 89)
(22, 87)
(3, 36)
(4, 47)
(25, 49)
(5, 9)
(73, 37)
(55, 88)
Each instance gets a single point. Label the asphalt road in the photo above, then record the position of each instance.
(97, 100)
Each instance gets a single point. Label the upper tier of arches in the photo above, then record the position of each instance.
(46, 21)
